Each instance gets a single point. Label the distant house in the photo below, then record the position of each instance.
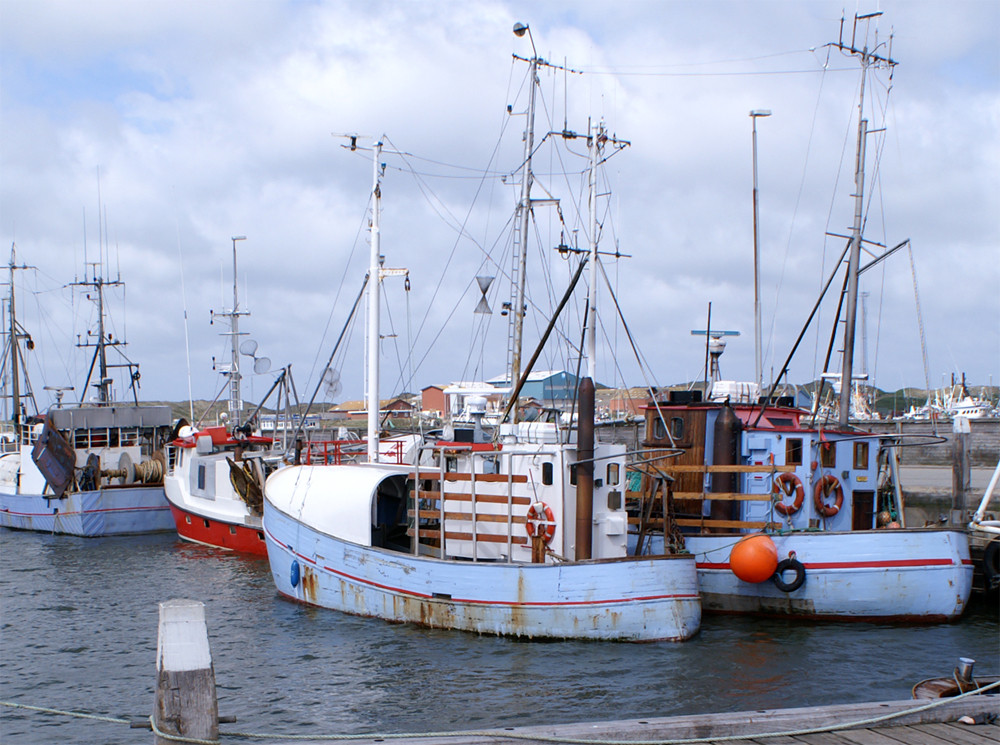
(432, 399)
(551, 388)
(396, 408)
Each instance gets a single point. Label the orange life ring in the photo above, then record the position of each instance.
(540, 520)
(787, 484)
(824, 486)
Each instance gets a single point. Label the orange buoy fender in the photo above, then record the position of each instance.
(754, 558)
(824, 487)
(541, 520)
(788, 484)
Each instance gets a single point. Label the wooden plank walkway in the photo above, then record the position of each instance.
(935, 726)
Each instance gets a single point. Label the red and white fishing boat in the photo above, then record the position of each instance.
(216, 474)
(215, 487)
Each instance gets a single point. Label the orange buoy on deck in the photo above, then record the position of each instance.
(754, 558)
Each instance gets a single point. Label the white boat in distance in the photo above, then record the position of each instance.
(523, 535)
(86, 470)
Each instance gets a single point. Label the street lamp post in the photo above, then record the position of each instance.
(758, 356)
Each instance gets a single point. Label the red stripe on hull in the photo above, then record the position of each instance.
(218, 533)
(470, 601)
(891, 563)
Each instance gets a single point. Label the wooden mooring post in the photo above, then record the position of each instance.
(960, 471)
(186, 704)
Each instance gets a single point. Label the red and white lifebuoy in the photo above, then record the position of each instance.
(824, 487)
(540, 520)
(788, 484)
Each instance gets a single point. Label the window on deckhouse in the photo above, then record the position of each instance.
(861, 455)
(793, 451)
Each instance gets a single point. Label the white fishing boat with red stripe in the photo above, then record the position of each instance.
(521, 532)
(827, 501)
(790, 514)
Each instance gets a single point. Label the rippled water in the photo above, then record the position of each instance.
(78, 625)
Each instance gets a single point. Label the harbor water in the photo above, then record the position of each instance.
(78, 625)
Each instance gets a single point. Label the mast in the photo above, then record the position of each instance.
(104, 340)
(15, 392)
(235, 393)
(235, 378)
(868, 58)
(374, 282)
(596, 140)
(523, 218)
(758, 346)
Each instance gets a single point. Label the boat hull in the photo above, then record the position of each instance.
(246, 537)
(630, 599)
(127, 510)
(899, 575)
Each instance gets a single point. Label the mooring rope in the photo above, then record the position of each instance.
(511, 735)
(80, 715)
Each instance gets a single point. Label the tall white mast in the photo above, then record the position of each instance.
(595, 141)
(235, 392)
(374, 282)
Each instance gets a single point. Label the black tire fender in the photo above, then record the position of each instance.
(785, 565)
(991, 563)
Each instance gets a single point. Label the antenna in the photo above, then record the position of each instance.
(716, 346)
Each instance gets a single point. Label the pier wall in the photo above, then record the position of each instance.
(984, 440)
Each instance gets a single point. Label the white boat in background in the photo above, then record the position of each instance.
(790, 515)
(88, 469)
(521, 534)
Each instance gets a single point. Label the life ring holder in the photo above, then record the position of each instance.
(785, 565)
(787, 484)
(824, 487)
(541, 520)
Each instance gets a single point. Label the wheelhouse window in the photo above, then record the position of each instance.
(861, 456)
(659, 429)
(547, 473)
(793, 451)
(612, 474)
(201, 477)
(827, 455)
(676, 427)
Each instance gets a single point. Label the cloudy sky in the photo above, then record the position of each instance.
(148, 134)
